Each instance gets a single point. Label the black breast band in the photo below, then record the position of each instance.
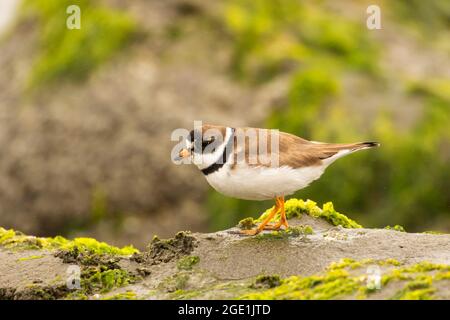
(223, 159)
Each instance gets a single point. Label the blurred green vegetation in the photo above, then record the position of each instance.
(428, 15)
(71, 54)
(406, 181)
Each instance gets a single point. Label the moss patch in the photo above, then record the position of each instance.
(166, 250)
(247, 223)
(296, 207)
(396, 228)
(434, 232)
(174, 283)
(187, 263)
(30, 258)
(12, 239)
(102, 279)
(98, 262)
(341, 279)
(266, 281)
(291, 232)
(128, 295)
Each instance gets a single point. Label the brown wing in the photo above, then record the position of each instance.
(293, 151)
(297, 152)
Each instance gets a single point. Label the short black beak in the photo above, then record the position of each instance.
(183, 154)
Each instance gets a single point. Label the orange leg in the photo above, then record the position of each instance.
(261, 227)
(283, 219)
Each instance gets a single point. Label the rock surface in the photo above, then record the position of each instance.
(335, 262)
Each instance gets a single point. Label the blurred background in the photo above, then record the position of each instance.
(86, 115)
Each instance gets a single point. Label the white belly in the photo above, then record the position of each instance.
(262, 183)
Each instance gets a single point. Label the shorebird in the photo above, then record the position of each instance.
(231, 159)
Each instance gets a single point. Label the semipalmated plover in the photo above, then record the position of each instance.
(261, 164)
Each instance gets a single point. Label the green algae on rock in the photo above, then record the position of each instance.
(340, 280)
(127, 295)
(266, 281)
(98, 262)
(33, 257)
(175, 282)
(297, 207)
(291, 232)
(188, 262)
(12, 239)
(103, 279)
(160, 251)
(396, 228)
(246, 223)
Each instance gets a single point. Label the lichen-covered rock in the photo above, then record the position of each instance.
(167, 250)
(322, 255)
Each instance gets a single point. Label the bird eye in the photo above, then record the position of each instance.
(207, 142)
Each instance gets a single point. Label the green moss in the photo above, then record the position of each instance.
(93, 246)
(216, 290)
(434, 232)
(165, 250)
(296, 207)
(128, 295)
(266, 281)
(187, 263)
(102, 279)
(396, 228)
(76, 296)
(35, 292)
(73, 54)
(16, 240)
(174, 283)
(418, 289)
(342, 279)
(246, 223)
(392, 262)
(291, 232)
(419, 277)
(421, 294)
(330, 285)
(30, 258)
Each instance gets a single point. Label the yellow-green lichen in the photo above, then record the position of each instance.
(16, 240)
(342, 279)
(297, 207)
(103, 279)
(396, 228)
(77, 295)
(188, 262)
(30, 258)
(246, 223)
(433, 232)
(174, 283)
(128, 295)
(330, 285)
(291, 232)
(266, 281)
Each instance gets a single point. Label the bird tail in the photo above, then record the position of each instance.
(363, 145)
(333, 152)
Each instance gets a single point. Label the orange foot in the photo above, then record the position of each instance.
(276, 226)
(279, 205)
